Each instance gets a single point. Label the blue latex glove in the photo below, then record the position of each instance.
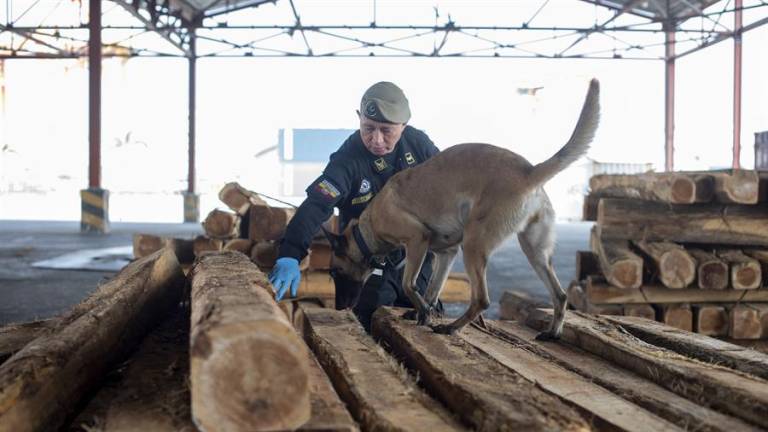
(285, 274)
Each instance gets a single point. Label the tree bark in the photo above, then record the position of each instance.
(268, 223)
(705, 223)
(621, 267)
(378, 393)
(458, 375)
(203, 244)
(238, 198)
(248, 367)
(13, 337)
(43, 382)
(684, 413)
(664, 187)
(710, 385)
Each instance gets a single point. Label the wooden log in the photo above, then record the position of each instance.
(599, 292)
(605, 410)
(664, 187)
(745, 271)
(202, 244)
(697, 346)
(620, 266)
(744, 322)
(711, 271)
(640, 311)
(221, 224)
(43, 382)
(452, 371)
(677, 315)
(763, 187)
(149, 392)
(673, 265)
(728, 391)
(710, 320)
(320, 284)
(579, 301)
(589, 208)
(587, 264)
(243, 246)
(515, 304)
(378, 392)
(146, 244)
(13, 337)
(268, 223)
(703, 223)
(736, 186)
(183, 248)
(685, 414)
(238, 198)
(761, 255)
(264, 254)
(235, 316)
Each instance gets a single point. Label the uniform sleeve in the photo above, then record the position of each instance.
(331, 188)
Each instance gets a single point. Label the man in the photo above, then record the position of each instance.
(383, 146)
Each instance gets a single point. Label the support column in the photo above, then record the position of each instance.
(94, 200)
(737, 85)
(191, 197)
(669, 97)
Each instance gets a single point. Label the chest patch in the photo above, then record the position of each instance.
(380, 164)
(410, 159)
(365, 186)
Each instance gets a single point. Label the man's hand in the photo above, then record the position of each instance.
(285, 274)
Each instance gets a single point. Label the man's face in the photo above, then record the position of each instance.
(379, 138)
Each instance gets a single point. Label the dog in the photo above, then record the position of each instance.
(472, 196)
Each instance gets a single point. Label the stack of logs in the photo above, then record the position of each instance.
(143, 353)
(254, 228)
(689, 249)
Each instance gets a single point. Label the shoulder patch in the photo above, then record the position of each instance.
(327, 189)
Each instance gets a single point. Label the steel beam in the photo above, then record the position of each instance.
(94, 94)
(669, 99)
(737, 17)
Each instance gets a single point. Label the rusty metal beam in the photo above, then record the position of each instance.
(94, 94)
(192, 57)
(669, 99)
(737, 18)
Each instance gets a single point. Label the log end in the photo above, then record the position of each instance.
(746, 276)
(683, 191)
(713, 275)
(252, 382)
(626, 274)
(677, 269)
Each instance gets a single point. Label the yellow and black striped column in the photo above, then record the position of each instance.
(95, 210)
(191, 207)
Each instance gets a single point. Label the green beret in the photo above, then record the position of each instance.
(385, 102)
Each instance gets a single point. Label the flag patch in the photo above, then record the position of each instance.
(327, 189)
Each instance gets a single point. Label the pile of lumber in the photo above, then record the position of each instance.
(143, 353)
(254, 228)
(689, 249)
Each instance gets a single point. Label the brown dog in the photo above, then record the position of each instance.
(470, 195)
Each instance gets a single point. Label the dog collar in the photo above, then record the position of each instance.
(367, 255)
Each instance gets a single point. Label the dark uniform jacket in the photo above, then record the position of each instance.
(350, 180)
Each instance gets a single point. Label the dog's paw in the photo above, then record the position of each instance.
(411, 315)
(445, 329)
(424, 318)
(547, 337)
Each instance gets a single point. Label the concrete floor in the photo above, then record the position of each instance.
(28, 293)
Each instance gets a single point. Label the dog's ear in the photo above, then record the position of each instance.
(338, 242)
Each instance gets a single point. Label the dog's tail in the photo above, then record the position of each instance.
(578, 145)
